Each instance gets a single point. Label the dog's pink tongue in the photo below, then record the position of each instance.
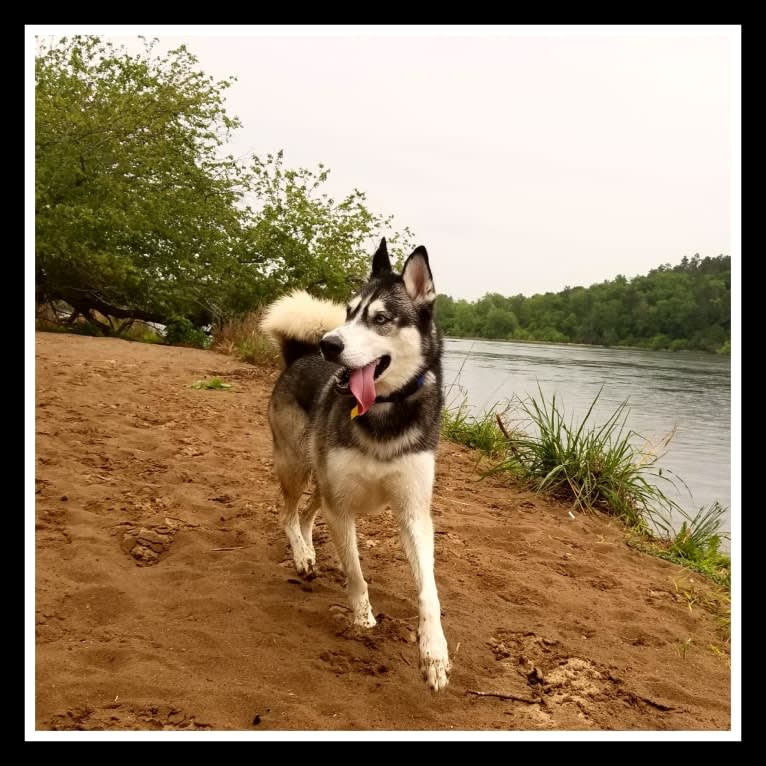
(362, 385)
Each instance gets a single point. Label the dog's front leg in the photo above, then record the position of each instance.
(417, 533)
(343, 532)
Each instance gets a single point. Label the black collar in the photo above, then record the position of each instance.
(407, 390)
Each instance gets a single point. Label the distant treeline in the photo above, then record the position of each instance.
(687, 306)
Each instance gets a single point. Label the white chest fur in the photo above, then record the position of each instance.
(360, 483)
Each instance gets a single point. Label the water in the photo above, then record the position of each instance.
(690, 392)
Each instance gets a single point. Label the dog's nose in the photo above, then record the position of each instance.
(331, 346)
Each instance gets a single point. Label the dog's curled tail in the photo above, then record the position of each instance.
(297, 321)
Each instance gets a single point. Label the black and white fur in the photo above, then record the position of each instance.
(383, 457)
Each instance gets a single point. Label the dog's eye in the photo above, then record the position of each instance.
(381, 319)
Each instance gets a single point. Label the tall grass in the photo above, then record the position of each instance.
(597, 467)
(696, 545)
(482, 433)
(242, 338)
(606, 468)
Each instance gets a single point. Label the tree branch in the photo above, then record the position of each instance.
(528, 700)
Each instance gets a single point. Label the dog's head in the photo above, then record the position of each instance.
(389, 337)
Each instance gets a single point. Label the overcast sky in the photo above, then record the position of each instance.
(523, 162)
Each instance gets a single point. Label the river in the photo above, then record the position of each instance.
(688, 391)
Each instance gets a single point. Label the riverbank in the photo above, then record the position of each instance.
(166, 599)
(725, 350)
(678, 406)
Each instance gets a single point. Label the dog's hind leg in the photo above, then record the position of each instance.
(307, 515)
(292, 480)
(343, 531)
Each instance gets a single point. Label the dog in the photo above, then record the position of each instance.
(356, 415)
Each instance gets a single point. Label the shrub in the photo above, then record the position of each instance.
(181, 332)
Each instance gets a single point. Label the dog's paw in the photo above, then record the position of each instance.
(435, 671)
(363, 617)
(306, 568)
(434, 658)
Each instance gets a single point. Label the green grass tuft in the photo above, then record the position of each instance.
(481, 433)
(696, 545)
(212, 384)
(597, 468)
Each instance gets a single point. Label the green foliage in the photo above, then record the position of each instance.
(697, 545)
(301, 237)
(597, 468)
(214, 384)
(481, 433)
(180, 331)
(140, 215)
(683, 307)
(135, 215)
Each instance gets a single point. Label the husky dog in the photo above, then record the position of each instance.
(357, 412)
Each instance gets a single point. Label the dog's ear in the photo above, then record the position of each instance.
(417, 277)
(381, 263)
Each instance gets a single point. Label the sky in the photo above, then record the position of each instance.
(524, 159)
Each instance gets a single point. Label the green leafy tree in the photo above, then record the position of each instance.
(136, 215)
(141, 215)
(683, 307)
(500, 323)
(302, 237)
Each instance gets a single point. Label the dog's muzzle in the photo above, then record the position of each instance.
(331, 347)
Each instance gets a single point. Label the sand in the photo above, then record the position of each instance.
(166, 597)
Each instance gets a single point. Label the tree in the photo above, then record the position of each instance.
(136, 216)
(682, 307)
(500, 324)
(140, 215)
(302, 237)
